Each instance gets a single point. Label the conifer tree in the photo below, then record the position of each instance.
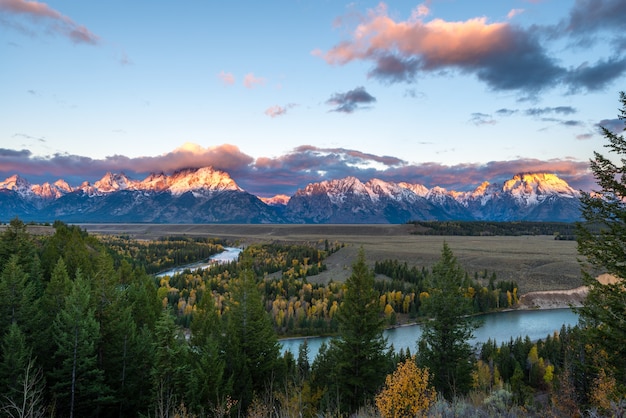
(602, 241)
(17, 294)
(360, 351)
(15, 358)
(170, 370)
(77, 381)
(48, 307)
(444, 345)
(208, 387)
(253, 361)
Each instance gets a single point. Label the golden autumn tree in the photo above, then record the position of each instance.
(407, 392)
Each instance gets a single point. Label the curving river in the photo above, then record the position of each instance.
(229, 254)
(499, 326)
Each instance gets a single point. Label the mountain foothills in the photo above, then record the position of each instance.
(206, 195)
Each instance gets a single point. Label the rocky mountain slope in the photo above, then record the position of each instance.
(206, 195)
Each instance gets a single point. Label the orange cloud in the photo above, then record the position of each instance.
(503, 56)
(438, 42)
(61, 23)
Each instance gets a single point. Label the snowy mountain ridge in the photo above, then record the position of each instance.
(526, 196)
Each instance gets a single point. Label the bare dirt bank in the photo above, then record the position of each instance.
(553, 299)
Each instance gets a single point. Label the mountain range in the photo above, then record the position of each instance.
(206, 195)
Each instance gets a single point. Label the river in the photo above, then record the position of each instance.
(499, 326)
(229, 254)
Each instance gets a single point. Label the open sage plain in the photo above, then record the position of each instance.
(534, 262)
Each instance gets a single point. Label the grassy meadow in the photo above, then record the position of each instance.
(534, 262)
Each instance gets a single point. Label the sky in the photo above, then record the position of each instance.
(280, 94)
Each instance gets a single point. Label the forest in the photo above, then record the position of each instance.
(87, 331)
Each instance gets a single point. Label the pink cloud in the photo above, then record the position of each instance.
(227, 78)
(503, 56)
(251, 81)
(276, 110)
(438, 42)
(59, 23)
(514, 12)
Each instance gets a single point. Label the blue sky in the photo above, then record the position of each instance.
(283, 93)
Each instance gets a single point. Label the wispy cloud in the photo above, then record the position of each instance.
(53, 21)
(506, 57)
(482, 119)
(251, 81)
(514, 12)
(276, 110)
(351, 100)
(562, 110)
(227, 78)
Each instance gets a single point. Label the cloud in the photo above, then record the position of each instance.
(482, 119)
(588, 17)
(514, 12)
(9, 153)
(287, 173)
(25, 136)
(615, 126)
(276, 110)
(504, 56)
(54, 21)
(596, 76)
(351, 100)
(506, 112)
(563, 110)
(227, 78)
(251, 81)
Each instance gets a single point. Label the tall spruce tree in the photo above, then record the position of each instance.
(602, 241)
(16, 355)
(170, 370)
(77, 382)
(253, 363)
(48, 307)
(360, 351)
(444, 345)
(208, 387)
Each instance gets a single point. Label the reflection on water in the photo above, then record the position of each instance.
(500, 326)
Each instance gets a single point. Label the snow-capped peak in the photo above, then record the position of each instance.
(113, 183)
(418, 189)
(17, 184)
(278, 200)
(205, 178)
(51, 191)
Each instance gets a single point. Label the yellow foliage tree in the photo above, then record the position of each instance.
(407, 392)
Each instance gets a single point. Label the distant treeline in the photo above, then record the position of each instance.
(560, 230)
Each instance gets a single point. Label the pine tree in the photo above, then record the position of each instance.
(443, 347)
(253, 361)
(360, 351)
(208, 386)
(77, 381)
(17, 294)
(170, 370)
(48, 307)
(15, 357)
(602, 241)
